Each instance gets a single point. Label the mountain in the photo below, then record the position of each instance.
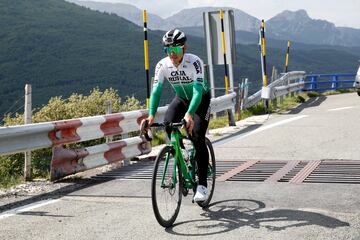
(127, 11)
(61, 48)
(185, 18)
(194, 17)
(294, 25)
(248, 38)
(299, 27)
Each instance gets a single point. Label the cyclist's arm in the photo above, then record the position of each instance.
(157, 90)
(197, 87)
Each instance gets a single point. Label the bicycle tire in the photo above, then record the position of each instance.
(166, 201)
(211, 174)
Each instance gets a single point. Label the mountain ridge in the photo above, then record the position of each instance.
(288, 25)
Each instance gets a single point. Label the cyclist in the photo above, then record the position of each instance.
(185, 73)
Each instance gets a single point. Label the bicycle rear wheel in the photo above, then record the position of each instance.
(166, 195)
(211, 174)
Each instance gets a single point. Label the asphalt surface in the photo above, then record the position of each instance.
(325, 128)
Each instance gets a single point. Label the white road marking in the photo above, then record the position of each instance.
(338, 109)
(259, 130)
(28, 207)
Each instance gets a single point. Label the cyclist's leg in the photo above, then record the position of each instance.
(175, 112)
(201, 119)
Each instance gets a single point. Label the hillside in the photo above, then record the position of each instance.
(61, 48)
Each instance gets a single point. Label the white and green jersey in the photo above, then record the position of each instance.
(187, 80)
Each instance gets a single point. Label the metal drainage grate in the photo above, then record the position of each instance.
(326, 171)
(336, 172)
(136, 170)
(258, 172)
(144, 170)
(225, 166)
(293, 172)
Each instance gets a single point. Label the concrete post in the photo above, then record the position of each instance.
(246, 89)
(27, 120)
(108, 110)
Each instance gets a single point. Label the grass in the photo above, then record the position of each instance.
(159, 138)
(291, 102)
(8, 181)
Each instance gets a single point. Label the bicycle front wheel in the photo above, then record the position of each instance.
(166, 189)
(211, 173)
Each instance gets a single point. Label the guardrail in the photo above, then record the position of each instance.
(325, 82)
(66, 161)
(288, 83)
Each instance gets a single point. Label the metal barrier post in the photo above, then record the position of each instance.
(313, 85)
(241, 97)
(301, 80)
(335, 82)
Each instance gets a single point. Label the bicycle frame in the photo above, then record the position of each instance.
(170, 183)
(187, 175)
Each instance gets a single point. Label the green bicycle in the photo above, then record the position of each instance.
(175, 173)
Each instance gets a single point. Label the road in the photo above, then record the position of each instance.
(323, 128)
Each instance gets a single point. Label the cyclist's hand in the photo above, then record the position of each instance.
(146, 123)
(145, 127)
(189, 122)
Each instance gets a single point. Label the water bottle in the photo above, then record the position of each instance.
(185, 155)
(191, 153)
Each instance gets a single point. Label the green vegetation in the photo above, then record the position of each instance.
(332, 92)
(61, 48)
(11, 168)
(159, 138)
(77, 105)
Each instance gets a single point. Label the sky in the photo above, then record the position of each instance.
(343, 13)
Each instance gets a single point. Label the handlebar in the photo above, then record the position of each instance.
(148, 133)
(172, 125)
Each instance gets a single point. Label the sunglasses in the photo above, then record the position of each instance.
(175, 50)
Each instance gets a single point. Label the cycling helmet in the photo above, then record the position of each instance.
(174, 37)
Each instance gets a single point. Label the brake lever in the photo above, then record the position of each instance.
(188, 135)
(146, 132)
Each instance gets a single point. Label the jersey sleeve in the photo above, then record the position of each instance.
(156, 89)
(197, 86)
